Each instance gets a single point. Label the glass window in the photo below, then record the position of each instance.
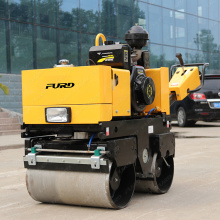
(180, 5)
(3, 64)
(202, 57)
(213, 63)
(203, 8)
(46, 12)
(21, 42)
(141, 14)
(156, 56)
(219, 11)
(194, 56)
(108, 19)
(155, 21)
(168, 56)
(21, 10)
(168, 4)
(87, 41)
(192, 7)
(46, 47)
(125, 15)
(214, 36)
(69, 46)
(69, 14)
(192, 25)
(181, 31)
(89, 14)
(168, 27)
(213, 9)
(3, 9)
(202, 38)
(156, 2)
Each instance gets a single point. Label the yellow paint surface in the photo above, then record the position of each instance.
(180, 82)
(92, 85)
(80, 114)
(121, 92)
(161, 80)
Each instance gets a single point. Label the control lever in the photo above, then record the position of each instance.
(179, 56)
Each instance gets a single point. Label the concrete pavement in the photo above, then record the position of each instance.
(11, 141)
(195, 193)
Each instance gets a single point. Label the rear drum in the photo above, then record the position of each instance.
(162, 176)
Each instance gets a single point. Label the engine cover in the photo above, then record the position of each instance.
(115, 55)
(142, 89)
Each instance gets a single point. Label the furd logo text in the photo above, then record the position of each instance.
(59, 85)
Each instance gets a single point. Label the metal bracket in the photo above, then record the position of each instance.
(32, 159)
(32, 155)
(95, 159)
(95, 162)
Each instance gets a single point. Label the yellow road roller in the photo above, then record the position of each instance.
(94, 134)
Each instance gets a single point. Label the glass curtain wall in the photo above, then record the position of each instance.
(37, 33)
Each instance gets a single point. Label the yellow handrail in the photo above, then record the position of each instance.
(97, 39)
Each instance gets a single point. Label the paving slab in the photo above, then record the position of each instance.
(195, 193)
(11, 141)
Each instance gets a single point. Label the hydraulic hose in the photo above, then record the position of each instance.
(153, 109)
(90, 141)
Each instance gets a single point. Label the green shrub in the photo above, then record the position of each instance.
(4, 88)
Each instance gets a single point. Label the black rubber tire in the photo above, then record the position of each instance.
(181, 117)
(191, 123)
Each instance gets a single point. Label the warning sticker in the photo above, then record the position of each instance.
(107, 131)
(125, 56)
(107, 58)
(174, 84)
(150, 129)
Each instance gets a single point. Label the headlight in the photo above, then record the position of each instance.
(58, 115)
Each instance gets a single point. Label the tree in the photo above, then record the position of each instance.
(108, 18)
(210, 50)
(4, 88)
